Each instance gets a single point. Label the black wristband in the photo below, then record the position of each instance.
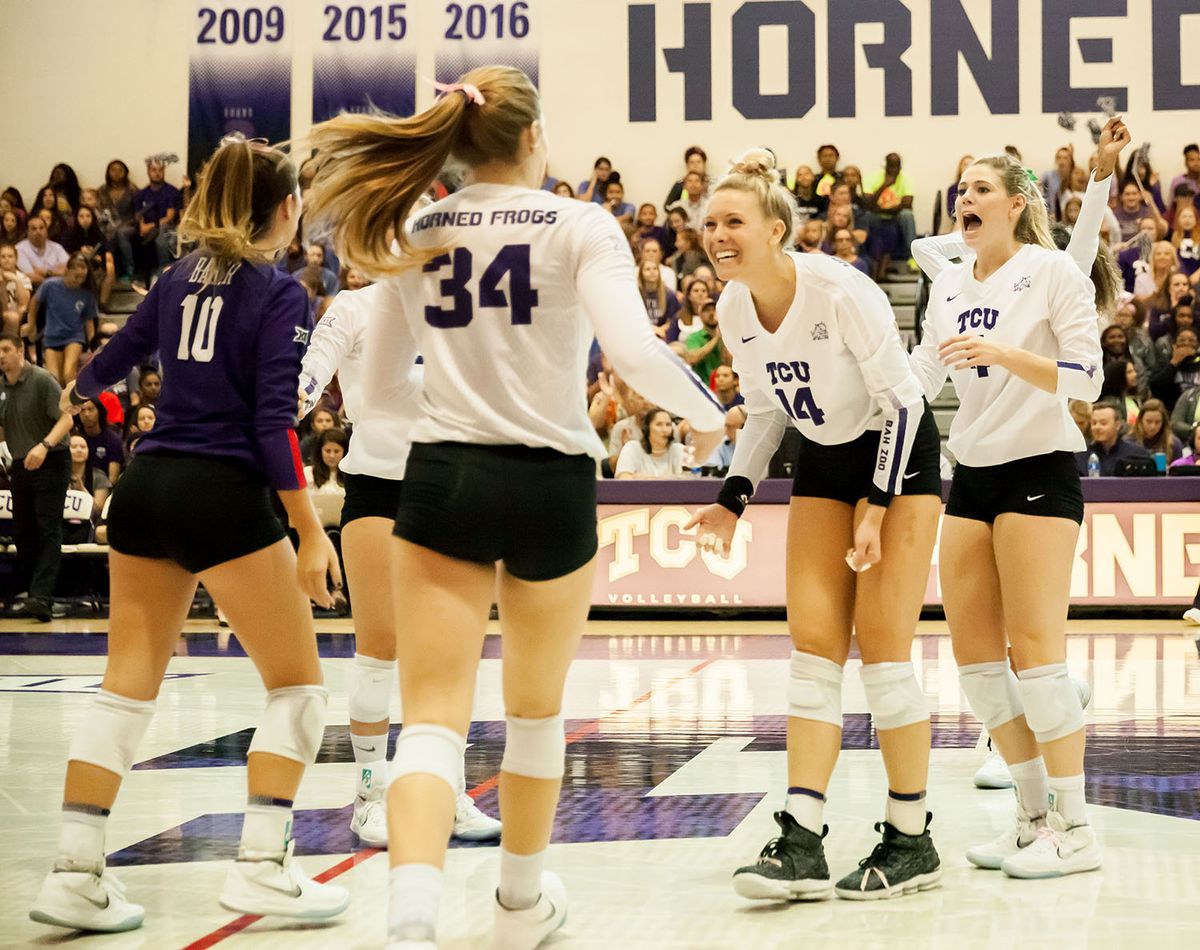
(735, 494)
(877, 496)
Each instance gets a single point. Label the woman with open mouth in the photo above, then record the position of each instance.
(1015, 324)
(815, 346)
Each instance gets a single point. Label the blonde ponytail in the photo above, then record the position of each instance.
(754, 172)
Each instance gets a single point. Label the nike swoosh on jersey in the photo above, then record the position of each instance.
(911, 475)
(1033, 497)
(747, 339)
(959, 294)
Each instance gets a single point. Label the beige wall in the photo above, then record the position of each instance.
(112, 82)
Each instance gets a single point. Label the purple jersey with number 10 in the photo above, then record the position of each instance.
(230, 340)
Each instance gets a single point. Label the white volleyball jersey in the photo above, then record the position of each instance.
(506, 314)
(1039, 302)
(383, 419)
(835, 368)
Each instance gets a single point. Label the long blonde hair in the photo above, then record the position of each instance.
(1033, 227)
(237, 193)
(372, 168)
(754, 173)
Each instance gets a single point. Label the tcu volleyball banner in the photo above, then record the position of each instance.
(365, 55)
(478, 34)
(240, 75)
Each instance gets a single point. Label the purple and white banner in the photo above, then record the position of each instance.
(240, 75)
(476, 34)
(365, 55)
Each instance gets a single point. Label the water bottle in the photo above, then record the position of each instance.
(1093, 465)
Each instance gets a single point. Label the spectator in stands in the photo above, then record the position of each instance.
(85, 236)
(1106, 442)
(1185, 237)
(15, 202)
(1170, 293)
(890, 197)
(320, 420)
(1190, 179)
(808, 203)
(1181, 317)
(677, 220)
(82, 233)
(657, 454)
(38, 257)
(1139, 171)
(1114, 345)
(85, 477)
(35, 430)
(952, 192)
(628, 410)
(118, 218)
(726, 386)
(1132, 207)
(841, 216)
(65, 183)
(106, 451)
(694, 160)
(353, 279)
(1163, 263)
(1121, 388)
(65, 307)
(325, 279)
(11, 231)
(810, 237)
(1081, 415)
(614, 201)
(157, 207)
(1133, 256)
(1130, 316)
(1153, 431)
(647, 229)
(694, 199)
(593, 188)
(652, 250)
(149, 386)
(323, 475)
(695, 295)
(47, 207)
(1056, 183)
(1183, 198)
(704, 350)
(845, 249)
(827, 160)
(1191, 456)
(661, 305)
(1179, 373)
(1186, 414)
(16, 290)
(142, 420)
(564, 190)
(689, 253)
(842, 198)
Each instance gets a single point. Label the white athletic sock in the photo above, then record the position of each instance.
(1033, 790)
(369, 748)
(370, 754)
(414, 893)
(807, 806)
(1067, 798)
(81, 838)
(266, 829)
(520, 879)
(906, 813)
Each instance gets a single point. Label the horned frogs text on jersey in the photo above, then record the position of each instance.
(504, 316)
(1037, 301)
(835, 368)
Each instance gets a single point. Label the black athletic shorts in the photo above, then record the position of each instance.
(368, 496)
(196, 510)
(533, 509)
(1043, 485)
(845, 472)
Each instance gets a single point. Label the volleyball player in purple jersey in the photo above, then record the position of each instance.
(195, 505)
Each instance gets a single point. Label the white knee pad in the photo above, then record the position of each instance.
(991, 689)
(534, 748)
(815, 689)
(893, 695)
(293, 724)
(369, 688)
(429, 750)
(1052, 707)
(110, 733)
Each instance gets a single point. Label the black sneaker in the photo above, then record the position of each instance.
(900, 864)
(791, 867)
(39, 610)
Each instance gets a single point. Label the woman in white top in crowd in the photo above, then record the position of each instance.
(657, 454)
(503, 286)
(373, 475)
(1016, 323)
(815, 346)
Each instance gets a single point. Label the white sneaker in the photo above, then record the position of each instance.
(280, 888)
(526, 929)
(1023, 833)
(370, 822)
(470, 824)
(1059, 849)
(85, 900)
(993, 773)
(1192, 616)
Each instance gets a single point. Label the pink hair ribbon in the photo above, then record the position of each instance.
(470, 91)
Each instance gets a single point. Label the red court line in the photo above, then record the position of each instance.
(241, 923)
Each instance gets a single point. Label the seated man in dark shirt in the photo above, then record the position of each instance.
(1107, 443)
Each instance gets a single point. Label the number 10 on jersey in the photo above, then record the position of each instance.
(512, 260)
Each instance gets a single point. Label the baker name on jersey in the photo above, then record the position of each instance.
(471, 219)
(791, 372)
(977, 318)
